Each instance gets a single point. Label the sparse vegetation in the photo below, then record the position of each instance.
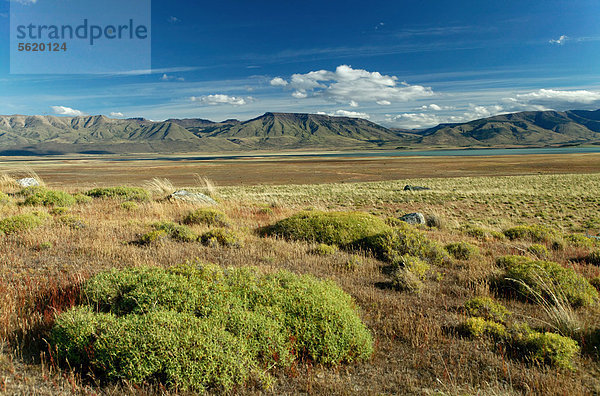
(220, 237)
(322, 249)
(486, 308)
(462, 250)
(40, 196)
(23, 222)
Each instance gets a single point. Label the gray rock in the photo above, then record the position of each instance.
(28, 182)
(189, 196)
(408, 187)
(413, 218)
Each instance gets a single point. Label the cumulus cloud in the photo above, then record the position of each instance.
(220, 99)
(278, 82)
(117, 114)
(346, 113)
(435, 107)
(559, 41)
(352, 86)
(67, 111)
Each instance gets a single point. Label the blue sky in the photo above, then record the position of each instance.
(409, 64)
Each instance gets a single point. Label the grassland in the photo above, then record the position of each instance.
(418, 347)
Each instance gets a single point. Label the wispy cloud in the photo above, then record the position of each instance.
(166, 77)
(559, 41)
(117, 114)
(346, 113)
(67, 111)
(173, 19)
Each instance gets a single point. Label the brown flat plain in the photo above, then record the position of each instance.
(76, 172)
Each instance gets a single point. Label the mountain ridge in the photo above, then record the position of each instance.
(289, 131)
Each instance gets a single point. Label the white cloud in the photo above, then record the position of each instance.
(559, 41)
(551, 95)
(173, 19)
(299, 95)
(346, 113)
(278, 82)
(348, 85)
(220, 99)
(117, 114)
(67, 111)
(166, 77)
(26, 2)
(427, 120)
(353, 103)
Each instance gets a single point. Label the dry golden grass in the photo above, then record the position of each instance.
(417, 350)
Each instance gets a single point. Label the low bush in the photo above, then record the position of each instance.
(59, 210)
(551, 282)
(153, 237)
(593, 258)
(412, 264)
(549, 348)
(176, 231)
(579, 240)
(404, 280)
(39, 196)
(125, 193)
(539, 251)
(434, 221)
(478, 327)
(220, 237)
(130, 205)
(5, 199)
(389, 245)
(462, 250)
(82, 199)
(595, 281)
(22, 222)
(332, 228)
(207, 216)
(475, 231)
(510, 260)
(197, 327)
(72, 221)
(486, 308)
(323, 249)
(536, 233)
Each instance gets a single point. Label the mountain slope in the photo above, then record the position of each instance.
(276, 131)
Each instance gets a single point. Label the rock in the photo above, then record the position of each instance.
(413, 218)
(408, 187)
(189, 196)
(28, 182)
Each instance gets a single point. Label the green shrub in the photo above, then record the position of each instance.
(411, 264)
(487, 308)
(434, 221)
(323, 249)
(59, 210)
(220, 237)
(534, 233)
(549, 348)
(125, 193)
(207, 216)
(595, 281)
(579, 240)
(462, 250)
(548, 280)
(474, 231)
(176, 231)
(478, 327)
(403, 280)
(39, 196)
(82, 199)
(130, 205)
(4, 199)
(73, 222)
(197, 327)
(593, 258)
(153, 237)
(389, 245)
(22, 222)
(332, 228)
(510, 260)
(540, 251)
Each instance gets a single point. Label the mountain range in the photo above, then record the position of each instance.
(35, 135)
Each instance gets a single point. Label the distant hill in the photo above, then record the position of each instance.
(22, 135)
